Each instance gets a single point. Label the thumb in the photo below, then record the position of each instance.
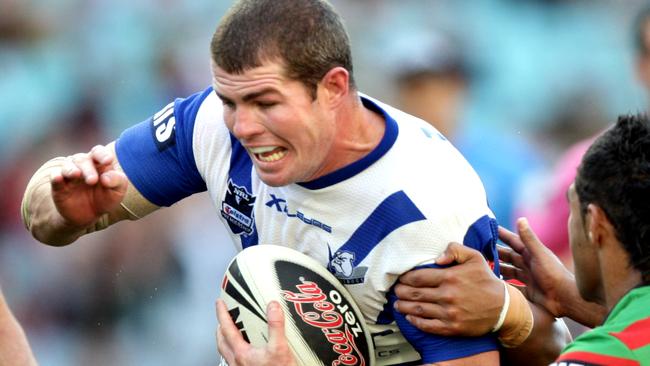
(528, 237)
(456, 252)
(275, 318)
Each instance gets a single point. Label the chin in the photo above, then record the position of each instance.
(273, 181)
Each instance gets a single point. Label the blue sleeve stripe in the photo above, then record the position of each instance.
(163, 169)
(241, 168)
(394, 212)
(482, 235)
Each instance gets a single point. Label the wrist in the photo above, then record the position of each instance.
(519, 321)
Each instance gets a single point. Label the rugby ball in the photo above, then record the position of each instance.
(322, 323)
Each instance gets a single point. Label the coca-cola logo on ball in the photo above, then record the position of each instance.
(324, 317)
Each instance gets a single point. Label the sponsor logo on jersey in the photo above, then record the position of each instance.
(280, 205)
(237, 209)
(163, 127)
(323, 314)
(341, 264)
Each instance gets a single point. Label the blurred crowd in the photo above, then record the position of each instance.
(512, 83)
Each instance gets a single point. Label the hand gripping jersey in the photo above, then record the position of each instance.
(394, 210)
(623, 340)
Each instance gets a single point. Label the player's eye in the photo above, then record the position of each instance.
(265, 104)
(228, 104)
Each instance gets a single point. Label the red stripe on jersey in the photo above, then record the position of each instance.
(596, 359)
(636, 335)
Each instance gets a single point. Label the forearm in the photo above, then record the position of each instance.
(14, 348)
(545, 342)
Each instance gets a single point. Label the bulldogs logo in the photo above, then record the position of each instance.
(237, 209)
(341, 264)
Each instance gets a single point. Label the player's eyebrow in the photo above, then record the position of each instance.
(250, 96)
(223, 97)
(260, 93)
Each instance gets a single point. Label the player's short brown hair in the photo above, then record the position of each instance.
(307, 36)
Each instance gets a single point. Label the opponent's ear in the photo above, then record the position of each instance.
(599, 228)
(335, 85)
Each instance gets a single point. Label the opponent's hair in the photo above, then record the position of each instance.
(615, 175)
(307, 36)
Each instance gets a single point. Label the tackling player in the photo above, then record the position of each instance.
(609, 234)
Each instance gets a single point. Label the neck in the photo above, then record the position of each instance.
(619, 276)
(360, 130)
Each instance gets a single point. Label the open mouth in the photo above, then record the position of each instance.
(268, 154)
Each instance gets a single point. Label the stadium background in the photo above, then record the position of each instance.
(73, 73)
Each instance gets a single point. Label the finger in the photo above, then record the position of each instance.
(510, 272)
(69, 170)
(222, 347)
(232, 338)
(115, 180)
(458, 253)
(410, 293)
(423, 277)
(102, 155)
(87, 167)
(529, 238)
(435, 326)
(507, 255)
(420, 309)
(511, 239)
(275, 318)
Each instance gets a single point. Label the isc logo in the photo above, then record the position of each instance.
(163, 127)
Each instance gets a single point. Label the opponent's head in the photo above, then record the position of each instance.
(611, 197)
(283, 70)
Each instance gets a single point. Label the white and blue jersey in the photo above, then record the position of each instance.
(394, 210)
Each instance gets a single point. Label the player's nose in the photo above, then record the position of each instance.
(246, 125)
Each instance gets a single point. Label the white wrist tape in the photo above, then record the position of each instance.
(504, 309)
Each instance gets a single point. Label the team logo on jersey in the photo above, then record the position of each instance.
(237, 209)
(341, 264)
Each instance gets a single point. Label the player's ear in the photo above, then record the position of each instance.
(599, 228)
(334, 86)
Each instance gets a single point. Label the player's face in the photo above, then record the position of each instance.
(585, 257)
(287, 133)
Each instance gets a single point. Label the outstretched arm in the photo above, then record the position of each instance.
(467, 299)
(14, 348)
(75, 195)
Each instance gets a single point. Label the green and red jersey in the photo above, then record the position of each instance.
(623, 340)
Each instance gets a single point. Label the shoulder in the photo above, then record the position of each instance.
(599, 347)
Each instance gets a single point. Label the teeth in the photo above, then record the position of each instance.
(262, 149)
(273, 157)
